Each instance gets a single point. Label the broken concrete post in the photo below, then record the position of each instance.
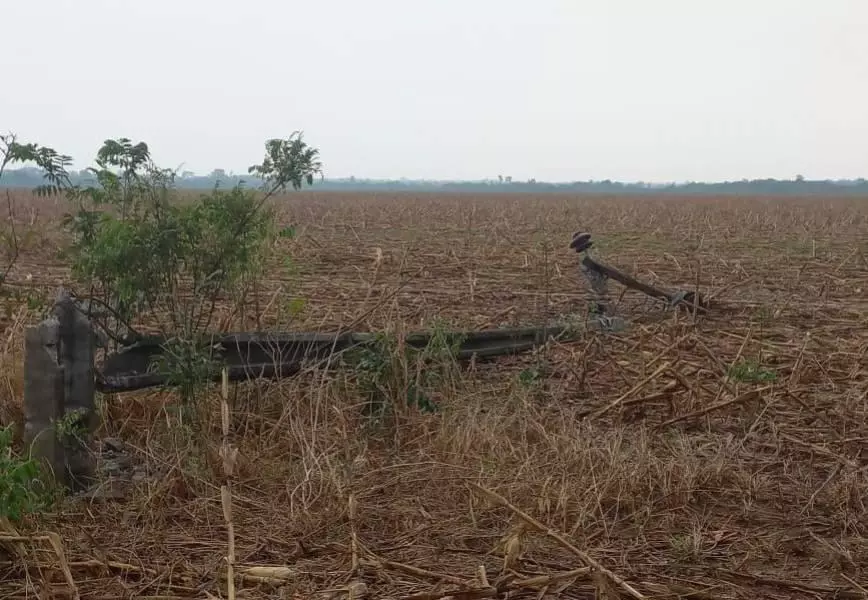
(598, 281)
(76, 354)
(599, 285)
(43, 398)
(597, 274)
(59, 407)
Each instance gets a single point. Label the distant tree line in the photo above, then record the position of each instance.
(31, 177)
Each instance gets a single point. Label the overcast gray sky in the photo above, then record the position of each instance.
(654, 90)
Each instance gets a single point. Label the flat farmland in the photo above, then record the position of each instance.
(722, 456)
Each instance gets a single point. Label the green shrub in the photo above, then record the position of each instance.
(389, 371)
(22, 487)
(147, 252)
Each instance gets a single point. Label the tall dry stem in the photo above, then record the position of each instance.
(229, 454)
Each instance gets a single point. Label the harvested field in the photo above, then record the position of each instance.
(718, 457)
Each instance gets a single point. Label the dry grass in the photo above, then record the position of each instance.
(747, 486)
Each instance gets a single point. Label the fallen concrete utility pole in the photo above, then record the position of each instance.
(597, 273)
(276, 355)
(61, 373)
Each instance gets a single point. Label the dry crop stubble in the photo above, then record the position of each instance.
(722, 457)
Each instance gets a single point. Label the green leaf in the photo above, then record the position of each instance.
(295, 306)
